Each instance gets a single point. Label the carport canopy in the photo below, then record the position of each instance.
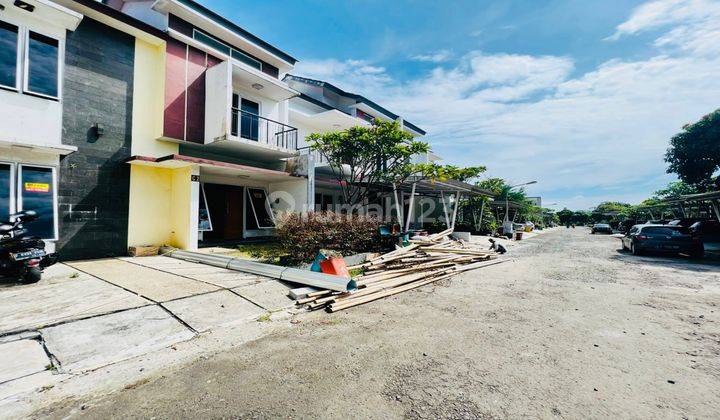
(417, 186)
(711, 197)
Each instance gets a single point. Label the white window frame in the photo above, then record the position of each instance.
(242, 95)
(13, 186)
(18, 57)
(267, 202)
(18, 188)
(230, 47)
(207, 207)
(26, 64)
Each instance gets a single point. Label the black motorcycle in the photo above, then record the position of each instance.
(22, 257)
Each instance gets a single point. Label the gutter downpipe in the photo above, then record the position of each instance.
(292, 275)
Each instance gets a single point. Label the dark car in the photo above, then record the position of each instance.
(687, 222)
(709, 233)
(662, 239)
(601, 228)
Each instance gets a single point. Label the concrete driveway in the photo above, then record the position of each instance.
(89, 314)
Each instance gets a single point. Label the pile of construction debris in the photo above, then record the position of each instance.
(426, 260)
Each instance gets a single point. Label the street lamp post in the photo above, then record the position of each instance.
(507, 205)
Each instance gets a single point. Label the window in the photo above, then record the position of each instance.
(6, 193)
(213, 42)
(36, 186)
(43, 65)
(8, 55)
(204, 220)
(260, 206)
(30, 61)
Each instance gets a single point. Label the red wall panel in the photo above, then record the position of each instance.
(174, 120)
(197, 61)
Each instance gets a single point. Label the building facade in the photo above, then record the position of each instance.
(33, 37)
(135, 122)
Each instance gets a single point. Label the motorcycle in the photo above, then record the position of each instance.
(22, 257)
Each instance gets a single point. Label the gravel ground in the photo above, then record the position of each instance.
(572, 328)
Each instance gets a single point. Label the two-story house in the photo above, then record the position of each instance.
(223, 146)
(32, 55)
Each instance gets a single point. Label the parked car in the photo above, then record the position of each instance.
(601, 228)
(708, 231)
(662, 239)
(687, 222)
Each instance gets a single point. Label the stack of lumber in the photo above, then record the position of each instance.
(435, 257)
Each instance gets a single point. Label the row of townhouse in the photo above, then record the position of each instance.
(136, 122)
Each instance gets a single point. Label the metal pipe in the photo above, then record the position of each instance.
(293, 275)
(447, 218)
(410, 208)
(716, 207)
(457, 204)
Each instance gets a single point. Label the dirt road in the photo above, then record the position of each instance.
(572, 328)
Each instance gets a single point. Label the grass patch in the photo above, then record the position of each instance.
(268, 252)
(356, 272)
(264, 317)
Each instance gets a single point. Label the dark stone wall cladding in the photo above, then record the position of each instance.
(94, 182)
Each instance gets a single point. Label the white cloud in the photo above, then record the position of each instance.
(602, 133)
(436, 57)
(353, 75)
(694, 24)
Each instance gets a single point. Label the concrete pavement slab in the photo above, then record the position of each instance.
(95, 342)
(271, 295)
(214, 275)
(213, 310)
(21, 358)
(147, 282)
(59, 299)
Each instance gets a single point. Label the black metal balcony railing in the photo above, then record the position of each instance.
(253, 127)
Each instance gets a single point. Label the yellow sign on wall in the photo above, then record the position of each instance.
(37, 187)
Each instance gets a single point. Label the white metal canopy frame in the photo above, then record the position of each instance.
(416, 186)
(712, 197)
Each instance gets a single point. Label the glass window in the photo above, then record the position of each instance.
(226, 49)
(37, 193)
(8, 54)
(204, 221)
(260, 206)
(43, 65)
(5, 191)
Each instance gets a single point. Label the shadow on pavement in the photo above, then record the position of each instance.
(679, 262)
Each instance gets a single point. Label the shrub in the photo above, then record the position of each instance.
(301, 236)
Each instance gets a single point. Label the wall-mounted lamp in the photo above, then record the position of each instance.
(25, 6)
(257, 86)
(98, 130)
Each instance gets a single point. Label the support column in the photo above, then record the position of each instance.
(447, 217)
(410, 208)
(457, 204)
(716, 207)
(194, 215)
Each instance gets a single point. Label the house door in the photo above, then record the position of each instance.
(247, 119)
(225, 205)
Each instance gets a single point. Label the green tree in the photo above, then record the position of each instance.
(675, 189)
(565, 216)
(362, 156)
(694, 153)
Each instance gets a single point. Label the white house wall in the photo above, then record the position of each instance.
(28, 119)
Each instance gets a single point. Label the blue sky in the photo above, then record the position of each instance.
(581, 96)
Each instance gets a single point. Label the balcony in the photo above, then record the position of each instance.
(252, 127)
(240, 105)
